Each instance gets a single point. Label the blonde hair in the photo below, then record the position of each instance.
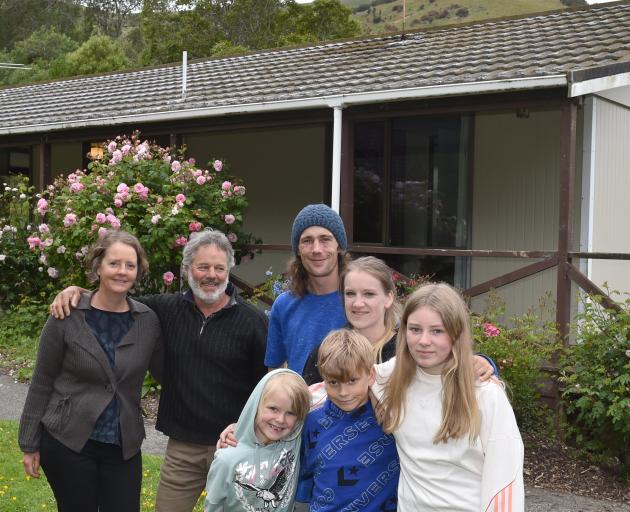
(379, 270)
(296, 389)
(343, 354)
(460, 412)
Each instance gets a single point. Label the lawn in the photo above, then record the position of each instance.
(20, 493)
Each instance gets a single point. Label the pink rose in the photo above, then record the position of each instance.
(69, 219)
(194, 226)
(226, 185)
(192, 161)
(78, 255)
(155, 219)
(229, 218)
(180, 198)
(232, 237)
(218, 165)
(42, 206)
(176, 166)
(53, 272)
(239, 190)
(43, 228)
(168, 278)
(125, 149)
(122, 187)
(111, 147)
(33, 242)
(115, 224)
(201, 180)
(118, 202)
(101, 231)
(491, 330)
(101, 218)
(181, 241)
(197, 172)
(116, 157)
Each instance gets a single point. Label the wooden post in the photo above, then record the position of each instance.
(568, 126)
(43, 174)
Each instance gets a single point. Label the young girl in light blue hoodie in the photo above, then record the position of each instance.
(262, 471)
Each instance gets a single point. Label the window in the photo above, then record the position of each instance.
(411, 190)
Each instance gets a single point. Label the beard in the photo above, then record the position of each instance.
(203, 296)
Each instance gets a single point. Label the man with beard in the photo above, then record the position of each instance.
(214, 350)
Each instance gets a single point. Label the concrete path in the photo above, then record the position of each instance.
(12, 396)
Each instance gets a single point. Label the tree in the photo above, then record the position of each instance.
(111, 16)
(98, 54)
(43, 46)
(326, 20)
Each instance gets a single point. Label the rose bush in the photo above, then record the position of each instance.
(150, 191)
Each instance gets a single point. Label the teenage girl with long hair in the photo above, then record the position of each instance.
(457, 438)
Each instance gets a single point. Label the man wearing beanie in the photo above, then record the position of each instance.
(303, 316)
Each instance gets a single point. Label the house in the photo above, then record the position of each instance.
(490, 155)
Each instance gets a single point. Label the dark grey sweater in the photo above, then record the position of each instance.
(211, 364)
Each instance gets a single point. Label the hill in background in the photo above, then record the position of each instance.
(382, 16)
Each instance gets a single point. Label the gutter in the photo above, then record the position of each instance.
(327, 101)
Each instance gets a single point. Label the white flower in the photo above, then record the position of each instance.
(22, 196)
(61, 249)
(175, 210)
(627, 353)
(3, 257)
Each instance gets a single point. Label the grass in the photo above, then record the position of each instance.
(21, 493)
(387, 17)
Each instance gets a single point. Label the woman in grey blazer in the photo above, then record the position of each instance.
(82, 419)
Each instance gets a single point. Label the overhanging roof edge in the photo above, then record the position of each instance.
(306, 103)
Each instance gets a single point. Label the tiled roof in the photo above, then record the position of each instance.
(539, 46)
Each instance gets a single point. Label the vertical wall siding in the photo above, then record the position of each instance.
(515, 200)
(611, 208)
(283, 171)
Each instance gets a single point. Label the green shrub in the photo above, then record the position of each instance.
(595, 374)
(20, 327)
(520, 348)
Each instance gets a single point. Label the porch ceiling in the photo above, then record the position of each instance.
(547, 50)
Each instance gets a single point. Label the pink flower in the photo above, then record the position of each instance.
(232, 237)
(125, 149)
(194, 226)
(33, 242)
(168, 278)
(491, 330)
(101, 218)
(48, 242)
(77, 186)
(192, 161)
(197, 172)
(167, 159)
(53, 272)
(116, 157)
(201, 180)
(118, 202)
(101, 231)
(218, 165)
(181, 241)
(111, 147)
(239, 190)
(61, 249)
(138, 187)
(226, 185)
(69, 219)
(155, 219)
(78, 255)
(176, 166)
(43, 228)
(229, 218)
(115, 224)
(180, 198)
(42, 206)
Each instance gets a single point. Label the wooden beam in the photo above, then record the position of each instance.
(601, 255)
(590, 287)
(44, 170)
(568, 127)
(511, 277)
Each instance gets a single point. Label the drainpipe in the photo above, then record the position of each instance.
(184, 73)
(335, 195)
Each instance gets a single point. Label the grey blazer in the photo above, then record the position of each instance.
(73, 381)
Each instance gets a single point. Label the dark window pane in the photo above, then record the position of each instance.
(369, 178)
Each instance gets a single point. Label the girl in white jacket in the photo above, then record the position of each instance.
(459, 445)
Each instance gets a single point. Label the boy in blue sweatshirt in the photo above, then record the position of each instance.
(348, 462)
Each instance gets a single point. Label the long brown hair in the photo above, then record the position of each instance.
(298, 276)
(460, 412)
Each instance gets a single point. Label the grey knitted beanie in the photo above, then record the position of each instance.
(318, 215)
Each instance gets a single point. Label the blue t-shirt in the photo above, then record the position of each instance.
(299, 324)
(348, 462)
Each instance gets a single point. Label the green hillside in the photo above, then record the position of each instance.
(380, 16)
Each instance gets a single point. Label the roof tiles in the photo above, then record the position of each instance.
(531, 47)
